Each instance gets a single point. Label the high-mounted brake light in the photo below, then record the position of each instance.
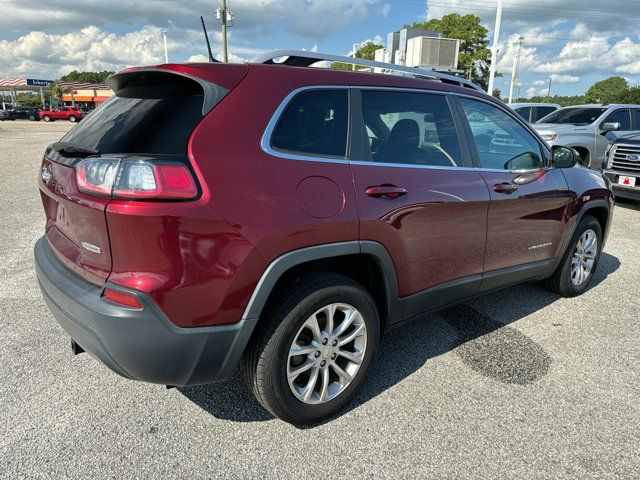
(121, 298)
(136, 178)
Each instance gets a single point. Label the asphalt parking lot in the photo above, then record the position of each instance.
(517, 384)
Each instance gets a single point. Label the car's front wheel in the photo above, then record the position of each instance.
(32, 118)
(46, 118)
(311, 357)
(578, 265)
(72, 119)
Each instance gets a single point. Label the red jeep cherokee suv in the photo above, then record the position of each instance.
(281, 217)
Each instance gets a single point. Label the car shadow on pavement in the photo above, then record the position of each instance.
(488, 346)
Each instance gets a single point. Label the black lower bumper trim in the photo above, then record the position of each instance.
(137, 344)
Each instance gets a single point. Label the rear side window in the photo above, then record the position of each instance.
(542, 112)
(524, 112)
(314, 123)
(140, 125)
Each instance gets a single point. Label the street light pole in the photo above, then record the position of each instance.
(515, 72)
(355, 45)
(494, 48)
(166, 53)
(549, 89)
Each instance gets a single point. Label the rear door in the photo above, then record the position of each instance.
(528, 199)
(416, 191)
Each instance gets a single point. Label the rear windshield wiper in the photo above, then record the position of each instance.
(67, 149)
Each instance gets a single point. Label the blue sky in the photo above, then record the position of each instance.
(576, 42)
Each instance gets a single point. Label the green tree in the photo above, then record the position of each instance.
(496, 93)
(366, 51)
(632, 96)
(611, 90)
(474, 45)
(89, 77)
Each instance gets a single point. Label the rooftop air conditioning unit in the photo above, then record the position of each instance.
(433, 53)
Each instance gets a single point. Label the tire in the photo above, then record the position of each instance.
(46, 118)
(32, 118)
(564, 281)
(72, 118)
(268, 362)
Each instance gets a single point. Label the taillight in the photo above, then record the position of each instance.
(136, 178)
(121, 298)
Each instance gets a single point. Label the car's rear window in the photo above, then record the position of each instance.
(140, 125)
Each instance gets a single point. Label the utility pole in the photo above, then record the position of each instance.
(494, 48)
(224, 12)
(515, 72)
(166, 54)
(549, 89)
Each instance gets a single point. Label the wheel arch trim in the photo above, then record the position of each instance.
(285, 262)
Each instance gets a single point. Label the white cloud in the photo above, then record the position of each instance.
(556, 78)
(385, 10)
(538, 82)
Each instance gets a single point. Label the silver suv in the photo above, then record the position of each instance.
(589, 129)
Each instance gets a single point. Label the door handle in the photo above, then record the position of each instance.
(386, 191)
(505, 187)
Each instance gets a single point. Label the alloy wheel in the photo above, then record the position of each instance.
(584, 257)
(326, 353)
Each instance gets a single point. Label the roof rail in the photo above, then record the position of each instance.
(303, 58)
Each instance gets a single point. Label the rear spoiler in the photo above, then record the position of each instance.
(161, 83)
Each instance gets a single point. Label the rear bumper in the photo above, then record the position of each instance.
(620, 191)
(137, 344)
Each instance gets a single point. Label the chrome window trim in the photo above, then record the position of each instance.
(265, 141)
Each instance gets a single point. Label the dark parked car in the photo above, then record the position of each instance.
(25, 113)
(622, 166)
(184, 237)
(4, 115)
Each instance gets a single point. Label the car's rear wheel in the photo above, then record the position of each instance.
(312, 356)
(32, 118)
(72, 118)
(46, 118)
(578, 265)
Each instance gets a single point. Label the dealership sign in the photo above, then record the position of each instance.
(39, 83)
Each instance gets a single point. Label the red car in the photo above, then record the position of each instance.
(73, 114)
(282, 217)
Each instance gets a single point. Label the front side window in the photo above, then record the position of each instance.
(410, 128)
(314, 123)
(502, 143)
(623, 117)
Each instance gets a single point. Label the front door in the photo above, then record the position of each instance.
(623, 118)
(417, 192)
(526, 219)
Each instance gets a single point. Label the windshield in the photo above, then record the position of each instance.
(574, 116)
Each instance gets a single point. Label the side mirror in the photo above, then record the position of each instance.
(564, 157)
(610, 126)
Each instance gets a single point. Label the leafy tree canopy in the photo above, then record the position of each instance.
(611, 90)
(366, 51)
(89, 77)
(474, 45)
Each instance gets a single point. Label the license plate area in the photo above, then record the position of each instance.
(626, 181)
